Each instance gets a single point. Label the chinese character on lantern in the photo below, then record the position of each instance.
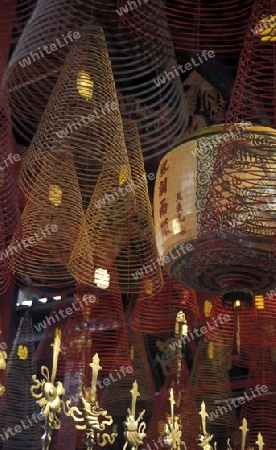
(163, 187)
(164, 167)
(163, 207)
(165, 227)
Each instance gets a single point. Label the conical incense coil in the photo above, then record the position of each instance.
(185, 408)
(100, 240)
(137, 242)
(39, 55)
(82, 117)
(49, 226)
(158, 108)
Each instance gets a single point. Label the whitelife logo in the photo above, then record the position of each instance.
(24, 425)
(236, 402)
(53, 47)
(56, 316)
(185, 248)
(111, 378)
(171, 74)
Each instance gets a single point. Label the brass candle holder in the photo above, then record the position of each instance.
(88, 417)
(49, 395)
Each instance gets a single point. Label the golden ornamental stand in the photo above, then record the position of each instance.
(91, 412)
(135, 432)
(50, 394)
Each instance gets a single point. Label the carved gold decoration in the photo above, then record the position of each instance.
(173, 429)
(90, 414)
(49, 395)
(135, 431)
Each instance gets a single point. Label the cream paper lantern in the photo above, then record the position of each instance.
(182, 184)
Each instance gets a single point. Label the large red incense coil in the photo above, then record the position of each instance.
(156, 314)
(236, 253)
(152, 107)
(211, 383)
(49, 226)
(260, 400)
(97, 325)
(194, 26)
(185, 408)
(116, 396)
(20, 405)
(14, 16)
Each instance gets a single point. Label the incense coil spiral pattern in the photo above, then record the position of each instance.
(204, 25)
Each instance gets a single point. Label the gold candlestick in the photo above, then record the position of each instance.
(203, 415)
(244, 430)
(260, 442)
(90, 413)
(134, 431)
(95, 366)
(49, 395)
(205, 438)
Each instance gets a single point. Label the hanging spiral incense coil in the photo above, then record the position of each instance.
(38, 57)
(42, 243)
(82, 117)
